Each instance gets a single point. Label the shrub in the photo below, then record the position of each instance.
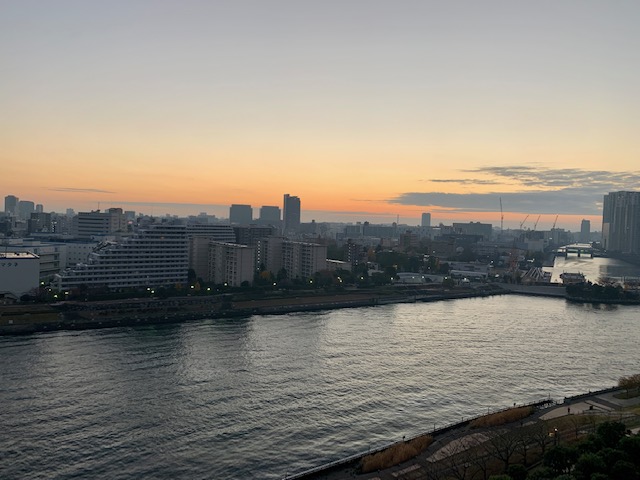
(517, 472)
(500, 418)
(395, 454)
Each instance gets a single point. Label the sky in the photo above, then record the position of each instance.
(366, 110)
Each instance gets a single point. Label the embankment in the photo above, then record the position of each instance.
(25, 319)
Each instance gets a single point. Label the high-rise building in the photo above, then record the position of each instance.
(291, 212)
(299, 259)
(621, 222)
(39, 208)
(426, 220)
(200, 237)
(240, 214)
(231, 263)
(11, 205)
(25, 209)
(269, 214)
(585, 231)
(40, 222)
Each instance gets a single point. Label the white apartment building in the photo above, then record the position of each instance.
(156, 255)
(231, 263)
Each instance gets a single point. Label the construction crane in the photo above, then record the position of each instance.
(522, 223)
(536, 224)
(554, 222)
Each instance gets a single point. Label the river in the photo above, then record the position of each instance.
(269, 395)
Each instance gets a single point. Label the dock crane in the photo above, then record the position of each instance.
(554, 222)
(522, 223)
(536, 224)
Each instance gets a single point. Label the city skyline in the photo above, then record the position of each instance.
(367, 111)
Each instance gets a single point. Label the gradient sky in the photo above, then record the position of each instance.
(369, 108)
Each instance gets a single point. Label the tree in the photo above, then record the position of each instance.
(191, 275)
(587, 465)
(631, 446)
(282, 275)
(630, 382)
(560, 459)
(503, 446)
(610, 433)
(624, 470)
(448, 282)
(539, 435)
(517, 472)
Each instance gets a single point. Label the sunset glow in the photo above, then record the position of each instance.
(365, 110)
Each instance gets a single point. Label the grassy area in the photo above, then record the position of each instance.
(628, 394)
(501, 418)
(395, 454)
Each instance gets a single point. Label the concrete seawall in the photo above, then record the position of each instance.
(558, 291)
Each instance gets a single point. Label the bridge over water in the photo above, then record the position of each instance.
(578, 248)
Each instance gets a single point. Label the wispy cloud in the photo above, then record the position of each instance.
(532, 176)
(565, 201)
(546, 190)
(465, 181)
(79, 190)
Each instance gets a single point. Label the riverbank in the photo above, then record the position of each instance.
(550, 422)
(72, 315)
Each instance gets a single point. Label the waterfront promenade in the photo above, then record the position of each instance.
(557, 420)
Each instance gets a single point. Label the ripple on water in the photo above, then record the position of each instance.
(268, 395)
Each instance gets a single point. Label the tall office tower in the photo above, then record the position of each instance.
(269, 214)
(621, 222)
(291, 212)
(426, 220)
(11, 205)
(39, 208)
(585, 231)
(242, 214)
(25, 209)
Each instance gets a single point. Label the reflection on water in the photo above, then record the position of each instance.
(592, 268)
(262, 396)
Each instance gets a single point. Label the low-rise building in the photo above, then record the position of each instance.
(19, 274)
